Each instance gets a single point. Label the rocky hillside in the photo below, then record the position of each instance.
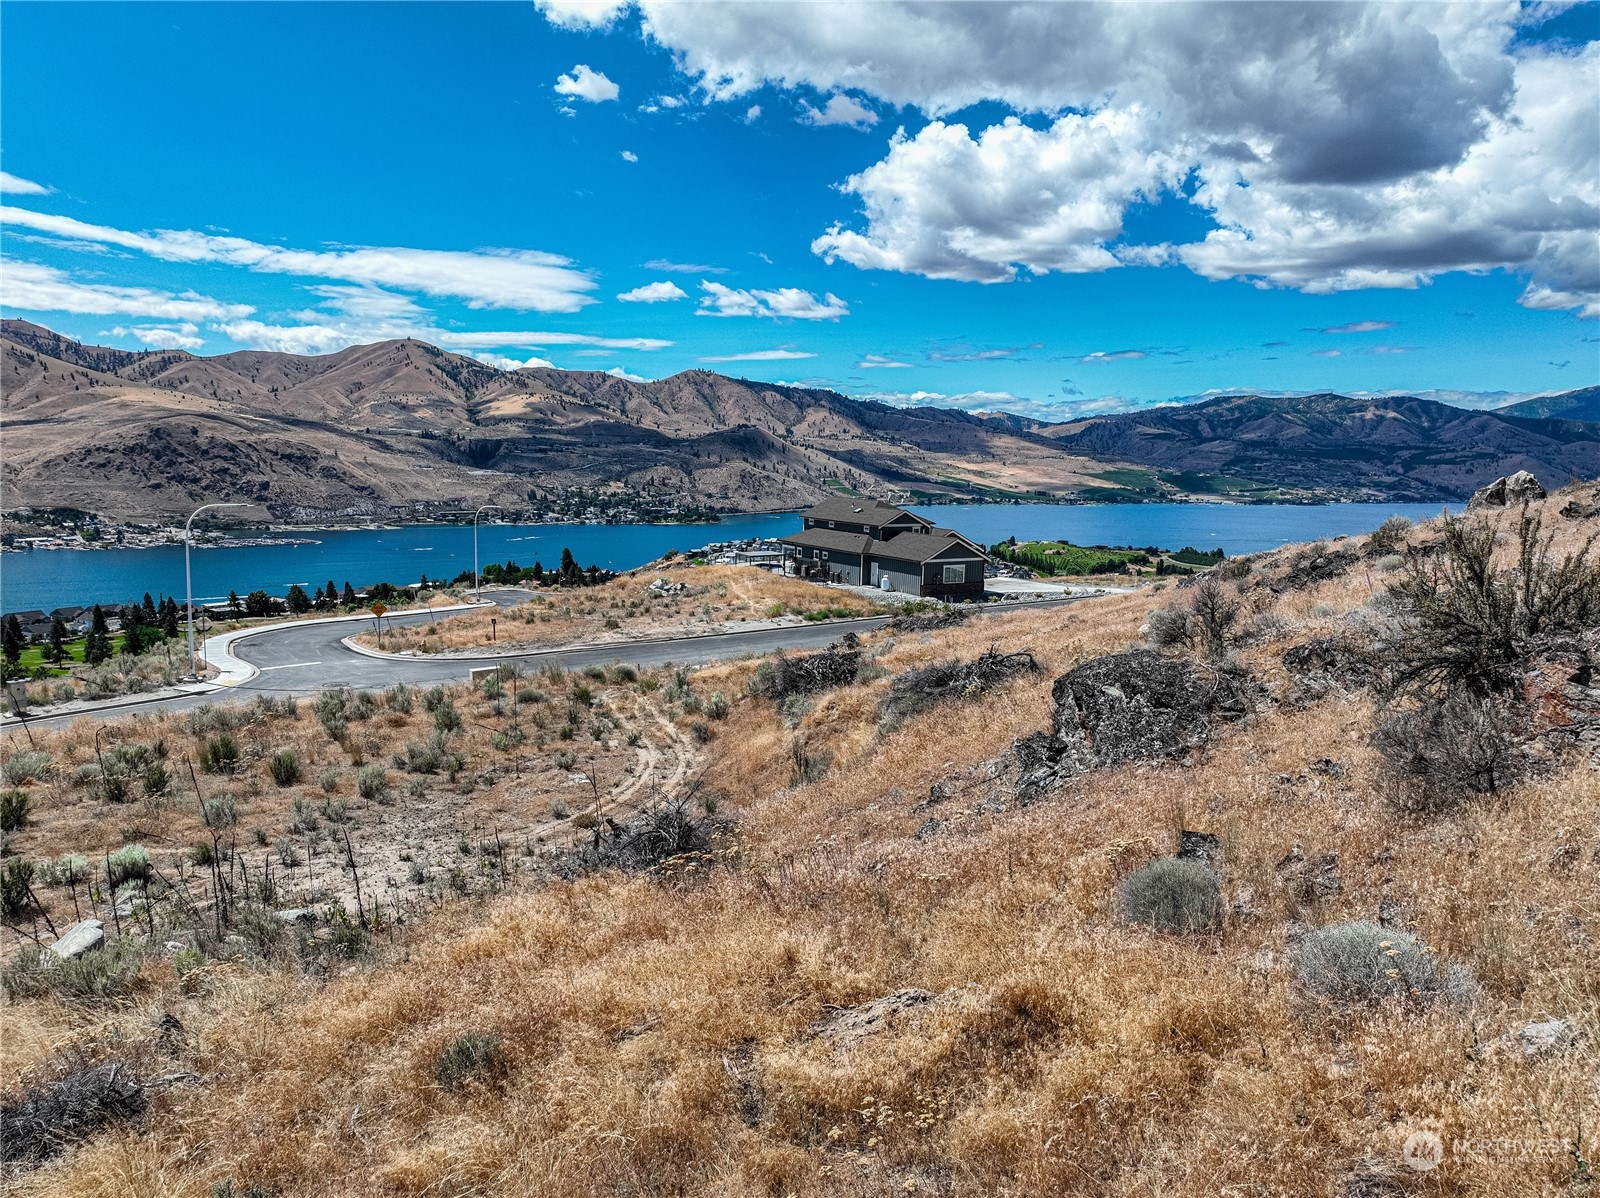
(402, 427)
(1399, 448)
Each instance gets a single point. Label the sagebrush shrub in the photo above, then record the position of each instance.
(1172, 895)
(130, 863)
(1363, 962)
(220, 754)
(285, 767)
(1446, 751)
(105, 973)
(1468, 625)
(16, 876)
(372, 783)
(24, 767)
(1168, 626)
(13, 809)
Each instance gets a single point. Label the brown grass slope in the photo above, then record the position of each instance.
(679, 1033)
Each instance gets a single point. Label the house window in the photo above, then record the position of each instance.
(830, 523)
(955, 574)
(824, 555)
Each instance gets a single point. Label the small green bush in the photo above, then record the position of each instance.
(1172, 895)
(130, 863)
(13, 809)
(106, 973)
(1362, 962)
(24, 767)
(285, 767)
(716, 705)
(220, 754)
(469, 1056)
(15, 878)
(372, 783)
(220, 813)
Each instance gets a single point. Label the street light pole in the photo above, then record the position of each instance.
(477, 589)
(188, 578)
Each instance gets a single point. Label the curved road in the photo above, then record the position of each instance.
(302, 659)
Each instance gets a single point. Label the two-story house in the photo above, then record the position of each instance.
(865, 542)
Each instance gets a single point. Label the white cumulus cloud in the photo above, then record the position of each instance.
(839, 110)
(617, 372)
(179, 336)
(629, 156)
(501, 362)
(1333, 146)
(790, 302)
(581, 14)
(654, 293)
(587, 84)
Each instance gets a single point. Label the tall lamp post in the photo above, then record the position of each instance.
(477, 589)
(188, 578)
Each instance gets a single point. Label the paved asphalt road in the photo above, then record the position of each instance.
(303, 659)
(306, 658)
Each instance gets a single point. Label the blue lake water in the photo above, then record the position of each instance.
(47, 579)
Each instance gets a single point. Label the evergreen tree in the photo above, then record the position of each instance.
(570, 574)
(332, 592)
(349, 596)
(58, 639)
(234, 606)
(147, 611)
(169, 617)
(133, 639)
(299, 602)
(98, 647)
(11, 640)
(538, 571)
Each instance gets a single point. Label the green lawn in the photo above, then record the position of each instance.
(34, 655)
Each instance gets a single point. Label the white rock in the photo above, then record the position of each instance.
(80, 938)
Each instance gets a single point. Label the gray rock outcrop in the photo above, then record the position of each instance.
(1504, 492)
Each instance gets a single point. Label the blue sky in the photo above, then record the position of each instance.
(1050, 209)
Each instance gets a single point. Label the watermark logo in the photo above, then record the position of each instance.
(1423, 1150)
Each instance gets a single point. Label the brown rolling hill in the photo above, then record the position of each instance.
(402, 428)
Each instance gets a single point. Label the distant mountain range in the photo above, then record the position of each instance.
(403, 428)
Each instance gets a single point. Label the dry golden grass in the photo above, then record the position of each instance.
(716, 598)
(662, 1038)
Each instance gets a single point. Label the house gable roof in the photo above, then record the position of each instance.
(844, 510)
(832, 539)
(926, 547)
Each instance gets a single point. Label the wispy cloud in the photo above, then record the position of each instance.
(654, 293)
(752, 114)
(1327, 353)
(1395, 349)
(1115, 355)
(526, 280)
(34, 288)
(760, 355)
(879, 362)
(1359, 326)
(979, 355)
(587, 84)
(12, 185)
(684, 268)
(790, 302)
